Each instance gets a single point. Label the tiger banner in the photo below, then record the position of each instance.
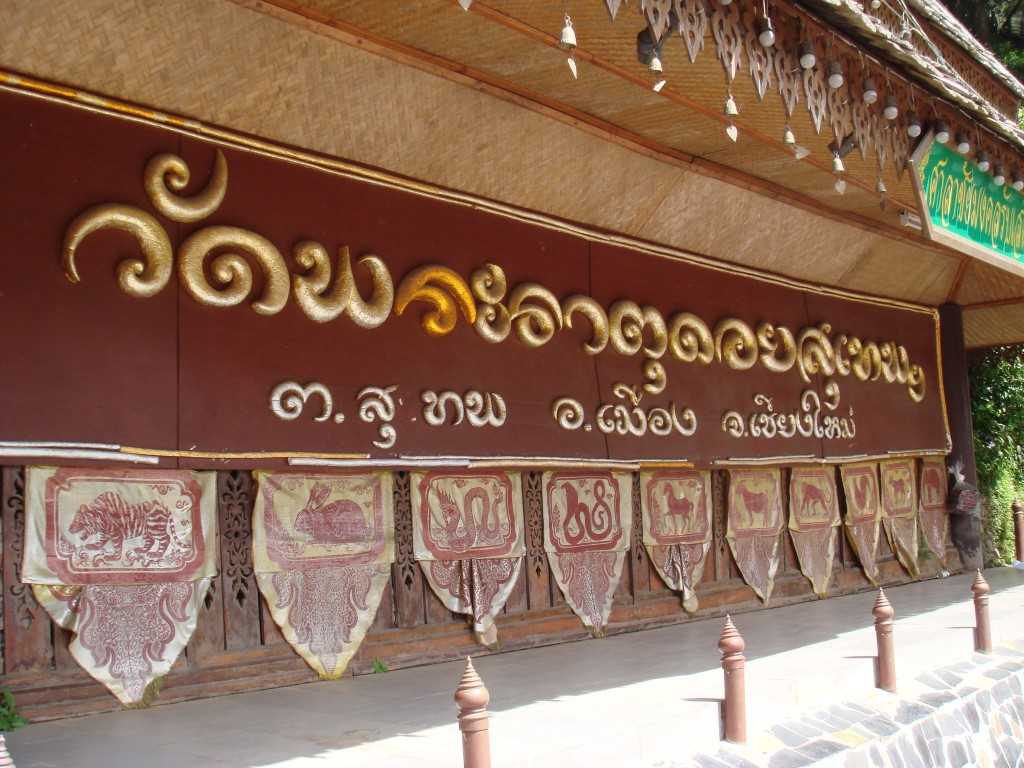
(932, 514)
(863, 514)
(676, 510)
(323, 545)
(468, 538)
(587, 524)
(755, 526)
(899, 510)
(813, 519)
(122, 559)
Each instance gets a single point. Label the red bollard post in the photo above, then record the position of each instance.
(1018, 524)
(472, 697)
(982, 625)
(734, 664)
(885, 671)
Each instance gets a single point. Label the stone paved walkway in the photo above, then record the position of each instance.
(642, 699)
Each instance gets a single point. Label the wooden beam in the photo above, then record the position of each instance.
(958, 278)
(994, 303)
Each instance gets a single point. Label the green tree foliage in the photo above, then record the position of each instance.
(997, 403)
(989, 21)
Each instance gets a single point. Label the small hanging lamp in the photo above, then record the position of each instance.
(963, 144)
(891, 110)
(941, 131)
(835, 75)
(999, 176)
(1018, 181)
(807, 56)
(870, 91)
(983, 162)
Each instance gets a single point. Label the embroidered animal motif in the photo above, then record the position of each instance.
(754, 504)
(340, 522)
(863, 496)
(678, 510)
(813, 498)
(932, 486)
(109, 519)
(900, 489)
(461, 525)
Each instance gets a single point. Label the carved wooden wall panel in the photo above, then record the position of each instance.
(241, 599)
(27, 642)
(538, 573)
(407, 581)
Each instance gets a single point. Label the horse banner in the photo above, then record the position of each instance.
(122, 559)
(588, 518)
(899, 510)
(676, 511)
(468, 536)
(755, 526)
(323, 545)
(813, 518)
(932, 506)
(863, 513)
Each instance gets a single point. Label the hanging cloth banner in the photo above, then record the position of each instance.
(676, 507)
(323, 545)
(468, 536)
(899, 510)
(933, 515)
(863, 513)
(813, 518)
(755, 526)
(122, 559)
(588, 518)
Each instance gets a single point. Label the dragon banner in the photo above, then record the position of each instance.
(863, 513)
(813, 518)
(468, 536)
(899, 510)
(755, 526)
(587, 523)
(676, 509)
(323, 545)
(122, 559)
(932, 506)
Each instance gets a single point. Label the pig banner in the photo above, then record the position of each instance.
(323, 545)
(676, 507)
(468, 538)
(122, 559)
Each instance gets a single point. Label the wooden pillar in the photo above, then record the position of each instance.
(961, 428)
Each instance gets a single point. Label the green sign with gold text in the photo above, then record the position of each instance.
(966, 209)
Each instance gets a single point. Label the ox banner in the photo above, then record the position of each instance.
(468, 536)
(813, 519)
(863, 513)
(755, 525)
(676, 505)
(323, 545)
(123, 560)
(588, 518)
(899, 510)
(933, 515)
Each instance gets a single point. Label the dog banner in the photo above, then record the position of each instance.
(932, 500)
(863, 514)
(755, 526)
(323, 545)
(899, 510)
(676, 509)
(813, 518)
(587, 524)
(468, 537)
(122, 559)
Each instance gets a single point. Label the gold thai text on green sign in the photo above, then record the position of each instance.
(965, 201)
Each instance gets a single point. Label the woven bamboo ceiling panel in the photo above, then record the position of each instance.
(604, 150)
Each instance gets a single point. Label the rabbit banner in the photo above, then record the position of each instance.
(323, 545)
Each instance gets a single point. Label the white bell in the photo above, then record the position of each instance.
(655, 65)
(837, 164)
(880, 187)
(788, 138)
(730, 106)
(807, 57)
(568, 41)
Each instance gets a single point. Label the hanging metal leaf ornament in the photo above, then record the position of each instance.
(613, 7)
(657, 13)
